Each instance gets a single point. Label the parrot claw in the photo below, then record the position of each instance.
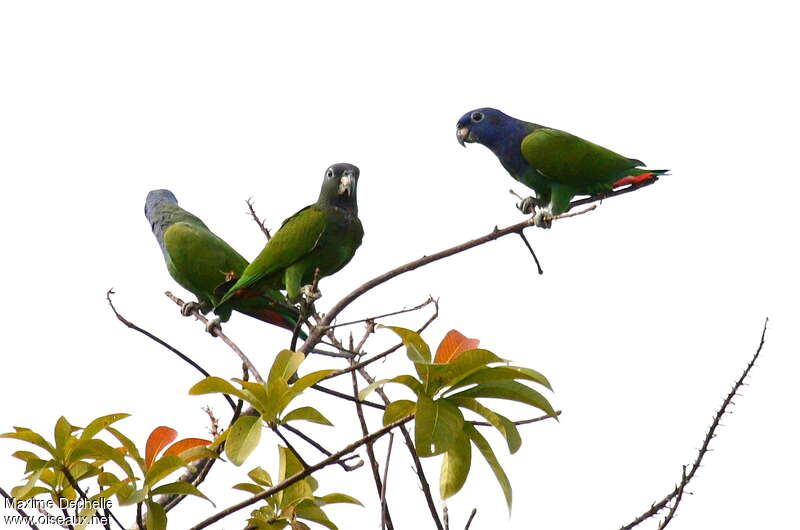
(310, 293)
(529, 205)
(189, 308)
(543, 219)
(213, 326)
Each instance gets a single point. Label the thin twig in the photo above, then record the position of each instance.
(615, 193)
(384, 521)
(320, 448)
(282, 485)
(519, 422)
(386, 518)
(393, 313)
(471, 517)
(530, 248)
(423, 480)
(575, 214)
(663, 524)
(77, 488)
(687, 477)
(319, 330)
(13, 502)
(217, 332)
(348, 397)
(151, 336)
(259, 222)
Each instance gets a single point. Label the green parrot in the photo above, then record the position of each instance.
(324, 235)
(201, 262)
(555, 164)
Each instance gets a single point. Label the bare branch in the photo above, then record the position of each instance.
(259, 222)
(217, 332)
(319, 447)
(519, 422)
(151, 336)
(319, 330)
(687, 477)
(393, 313)
(386, 518)
(471, 517)
(385, 521)
(663, 524)
(302, 474)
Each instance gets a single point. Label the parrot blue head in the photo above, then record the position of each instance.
(339, 186)
(489, 127)
(501, 133)
(156, 198)
(158, 218)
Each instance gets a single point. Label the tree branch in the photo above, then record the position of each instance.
(217, 332)
(301, 475)
(687, 477)
(153, 337)
(259, 222)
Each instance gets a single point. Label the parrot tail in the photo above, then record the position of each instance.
(637, 176)
(283, 318)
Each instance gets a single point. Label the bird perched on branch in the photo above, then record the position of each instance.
(324, 236)
(555, 164)
(201, 262)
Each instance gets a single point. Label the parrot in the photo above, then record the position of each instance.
(555, 164)
(324, 235)
(201, 262)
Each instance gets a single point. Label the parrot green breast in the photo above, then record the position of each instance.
(566, 159)
(323, 237)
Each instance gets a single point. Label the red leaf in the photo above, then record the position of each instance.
(184, 445)
(453, 344)
(158, 440)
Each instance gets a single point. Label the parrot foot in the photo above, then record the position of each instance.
(189, 308)
(311, 293)
(543, 219)
(529, 205)
(213, 326)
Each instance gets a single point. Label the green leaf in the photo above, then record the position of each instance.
(416, 348)
(285, 365)
(310, 511)
(260, 476)
(256, 393)
(27, 435)
(215, 385)
(134, 498)
(498, 421)
(129, 446)
(243, 438)
(455, 467)
(308, 414)
(161, 468)
(336, 498)
(21, 492)
(180, 488)
(309, 380)
(156, 516)
(510, 390)
(97, 425)
(249, 488)
(439, 375)
(96, 448)
(397, 410)
(486, 450)
(62, 432)
(438, 423)
(407, 380)
(498, 373)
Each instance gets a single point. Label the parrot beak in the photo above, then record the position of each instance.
(346, 184)
(463, 135)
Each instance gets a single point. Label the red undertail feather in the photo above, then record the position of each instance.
(635, 179)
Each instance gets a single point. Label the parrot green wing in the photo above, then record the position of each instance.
(297, 236)
(567, 159)
(197, 259)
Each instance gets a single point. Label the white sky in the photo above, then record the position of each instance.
(649, 307)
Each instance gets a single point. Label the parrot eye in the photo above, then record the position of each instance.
(329, 173)
(477, 116)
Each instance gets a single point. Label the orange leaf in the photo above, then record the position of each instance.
(184, 445)
(158, 440)
(454, 344)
